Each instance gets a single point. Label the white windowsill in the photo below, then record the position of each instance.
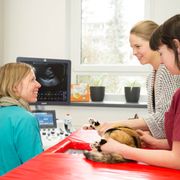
(114, 101)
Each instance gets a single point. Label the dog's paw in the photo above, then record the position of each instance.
(95, 145)
(93, 123)
(102, 141)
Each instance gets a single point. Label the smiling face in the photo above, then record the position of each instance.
(168, 58)
(28, 88)
(141, 49)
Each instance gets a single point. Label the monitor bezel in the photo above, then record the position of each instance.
(47, 126)
(35, 60)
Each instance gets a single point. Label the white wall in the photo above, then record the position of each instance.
(163, 9)
(39, 28)
(80, 114)
(34, 28)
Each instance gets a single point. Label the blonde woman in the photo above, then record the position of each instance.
(161, 84)
(19, 136)
(166, 39)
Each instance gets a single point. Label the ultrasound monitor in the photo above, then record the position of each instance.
(54, 75)
(46, 119)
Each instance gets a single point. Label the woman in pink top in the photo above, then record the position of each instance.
(166, 40)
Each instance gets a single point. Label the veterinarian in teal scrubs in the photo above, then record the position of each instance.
(19, 135)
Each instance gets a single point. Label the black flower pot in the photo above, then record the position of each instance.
(97, 93)
(132, 94)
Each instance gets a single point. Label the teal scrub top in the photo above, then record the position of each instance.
(20, 138)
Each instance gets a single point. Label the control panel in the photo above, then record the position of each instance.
(53, 130)
(51, 136)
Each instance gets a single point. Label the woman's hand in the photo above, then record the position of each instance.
(104, 127)
(100, 129)
(150, 142)
(112, 146)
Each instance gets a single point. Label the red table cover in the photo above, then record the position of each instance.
(56, 164)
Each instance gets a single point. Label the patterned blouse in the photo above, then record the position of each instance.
(161, 86)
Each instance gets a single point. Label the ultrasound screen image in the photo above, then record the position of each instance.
(47, 76)
(54, 77)
(53, 80)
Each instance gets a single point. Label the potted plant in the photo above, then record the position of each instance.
(97, 90)
(132, 91)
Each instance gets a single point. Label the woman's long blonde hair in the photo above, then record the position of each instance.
(11, 74)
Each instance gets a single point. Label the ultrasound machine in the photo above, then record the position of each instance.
(50, 133)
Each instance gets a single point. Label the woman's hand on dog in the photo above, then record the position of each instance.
(104, 127)
(148, 141)
(112, 146)
(101, 129)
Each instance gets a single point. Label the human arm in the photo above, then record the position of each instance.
(150, 142)
(165, 86)
(138, 123)
(162, 158)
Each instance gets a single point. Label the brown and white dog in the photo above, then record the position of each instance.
(121, 134)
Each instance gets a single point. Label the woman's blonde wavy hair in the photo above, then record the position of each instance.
(11, 74)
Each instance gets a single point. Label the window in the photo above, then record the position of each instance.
(100, 48)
